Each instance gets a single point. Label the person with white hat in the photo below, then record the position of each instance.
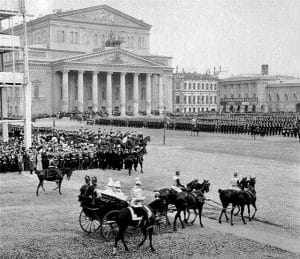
(177, 186)
(118, 192)
(234, 182)
(137, 196)
(109, 188)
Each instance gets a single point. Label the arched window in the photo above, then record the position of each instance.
(270, 98)
(278, 97)
(210, 99)
(215, 99)
(36, 91)
(95, 40)
(72, 37)
(286, 97)
(198, 99)
(62, 36)
(139, 43)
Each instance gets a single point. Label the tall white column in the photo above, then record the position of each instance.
(109, 93)
(122, 94)
(148, 94)
(4, 114)
(136, 94)
(95, 91)
(160, 94)
(65, 97)
(80, 91)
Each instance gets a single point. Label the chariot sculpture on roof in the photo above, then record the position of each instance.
(112, 41)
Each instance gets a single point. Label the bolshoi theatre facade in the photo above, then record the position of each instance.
(92, 59)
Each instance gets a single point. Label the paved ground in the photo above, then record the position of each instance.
(47, 226)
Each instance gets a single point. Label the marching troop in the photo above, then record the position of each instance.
(83, 149)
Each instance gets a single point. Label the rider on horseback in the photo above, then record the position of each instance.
(177, 186)
(234, 182)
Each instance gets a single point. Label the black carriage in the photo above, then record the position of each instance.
(100, 214)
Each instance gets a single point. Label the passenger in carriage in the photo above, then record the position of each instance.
(109, 188)
(118, 193)
(177, 186)
(92, 188)
(84, 188)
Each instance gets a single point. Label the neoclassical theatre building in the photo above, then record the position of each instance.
(92, 59)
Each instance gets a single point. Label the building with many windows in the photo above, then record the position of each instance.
(283, 96)
(94, 59)
(247, 93)
(194, 92)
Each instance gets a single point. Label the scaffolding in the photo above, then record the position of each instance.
(9, 43)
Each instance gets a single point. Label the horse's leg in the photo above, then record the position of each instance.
(225, 213)
(42, 184)
(200, 214)
(141, 165)
(144, 231)
(253, 204)
(37, 190)
(242, 213)
(248, 206)
(122, 238)
(56, 186)
(231, 214)
(118, 237)
(237, 213)
(59, 185)
(182, 225)
(196, 215)
(174, 223)
(150, 238)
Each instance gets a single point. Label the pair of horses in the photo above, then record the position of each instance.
(193, 197)
(245, 197)
(53, 175)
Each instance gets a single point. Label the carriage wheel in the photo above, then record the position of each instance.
(161, 222)
(88, 224)
(109, 227)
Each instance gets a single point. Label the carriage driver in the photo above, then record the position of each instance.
(234, 182)
(137, 197)
(177, 186)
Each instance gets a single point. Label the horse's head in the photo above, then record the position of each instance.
(244, 183)
(252, 182)
(147, 139)
(193, 185)
(205, 186)
(68, 172)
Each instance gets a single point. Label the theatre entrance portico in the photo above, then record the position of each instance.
(109, 80)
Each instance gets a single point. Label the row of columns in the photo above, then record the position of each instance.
(65, 92)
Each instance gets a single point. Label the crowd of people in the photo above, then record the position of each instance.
(83, 149)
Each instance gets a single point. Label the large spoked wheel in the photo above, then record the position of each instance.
(109, 226)
(89, 224)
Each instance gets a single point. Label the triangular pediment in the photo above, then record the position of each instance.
(103, 14)
(114, 56)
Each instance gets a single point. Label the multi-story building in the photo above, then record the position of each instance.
(246, 93)
(11, 83)
(283, 96)
(95, 58)
(194, 92)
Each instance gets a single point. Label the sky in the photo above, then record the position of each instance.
(238, 35)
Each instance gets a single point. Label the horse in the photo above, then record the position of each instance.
(239, 198)
(146, 222)
(53, 175)
(129, 161)
(194, 199)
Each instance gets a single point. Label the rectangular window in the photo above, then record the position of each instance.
(76, 37)
(185, 85)
(190, 86)
(206, 86)
(194, 99)
(177, 85)
(203, 99)
(184, 99)
(202, 86)
(177, 99)
(190, 99)
(194, 86)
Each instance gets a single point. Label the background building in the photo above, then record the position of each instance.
(194, 92)
(283, 96)
(247, 93)
(11, 83)
(95, 58)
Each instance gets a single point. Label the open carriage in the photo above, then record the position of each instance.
(100, 214)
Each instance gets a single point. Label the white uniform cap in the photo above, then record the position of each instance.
(110, 183)
(117, 184)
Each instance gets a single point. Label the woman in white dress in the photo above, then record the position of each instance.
(39, 165)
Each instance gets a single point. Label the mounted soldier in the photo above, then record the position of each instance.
(177, 186)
